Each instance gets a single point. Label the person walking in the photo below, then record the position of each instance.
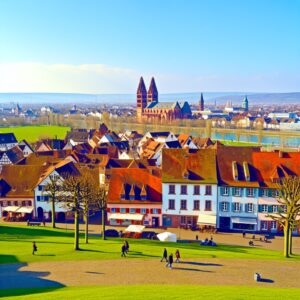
(177, 254)
(165, 255)
(126, 246)
(34, 248)
(170, 261)
(123, 250)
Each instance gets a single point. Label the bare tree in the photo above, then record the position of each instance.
(101, 204)
(71, 197)
(52, 189)
(287, 215)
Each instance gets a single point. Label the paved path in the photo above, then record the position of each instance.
(129, 271)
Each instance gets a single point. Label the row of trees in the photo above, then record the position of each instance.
(80, 194)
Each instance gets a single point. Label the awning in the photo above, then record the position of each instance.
(11, 208)
(135, 217)
(210, 220)
(244, 221)
(135, 228)
(25, 210)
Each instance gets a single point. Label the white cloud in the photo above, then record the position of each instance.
(66, 78)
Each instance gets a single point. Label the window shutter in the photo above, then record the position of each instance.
(259, 208)
(270, 208)
(269, 193)
(233, 191)
(220, 206)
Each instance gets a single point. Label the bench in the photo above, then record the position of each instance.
(33, 223)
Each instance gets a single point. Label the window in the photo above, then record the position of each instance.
(237, 192)
(207, 205)
(196, 190)
(264, 225)
(265, 193)
(274, 208)
(196, 205)
(182, 219)
(16, 203)
(8, 203)
(41, 187)
(171, 189)
(250, 192)
(113, 210)
(225, 191)
(123, 210)
(46, 198)
(208, 190)
(264, 208)
(250, 208)
(183, 190)
(38, 198)
(183, 204)
(171, 204)
(273, 225)
(143, 210)
(236, 206)
(276, 193)
(224, 206)
(132, 210)
(29, 203)
(155, 211)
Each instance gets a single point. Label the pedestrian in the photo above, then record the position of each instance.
(170, 261)
(197, 238)
(165, 255)
(34, 248)
(177, 254)
(211, 238)
(126, 246)
(244, 234)
(123, 250)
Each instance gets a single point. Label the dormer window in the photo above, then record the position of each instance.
(246, 171)
(235, 171)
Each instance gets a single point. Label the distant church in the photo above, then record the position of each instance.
(148, 106)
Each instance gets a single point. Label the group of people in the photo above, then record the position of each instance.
(124, 249)
(169, 259)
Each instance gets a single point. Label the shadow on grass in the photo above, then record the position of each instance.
(15, 282)
(191, 269)
(200, 264)
(266, 280)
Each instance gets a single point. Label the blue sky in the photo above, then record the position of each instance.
(104, 46)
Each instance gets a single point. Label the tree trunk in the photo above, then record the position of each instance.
(76, 221)
(53, 213)
(103, 224)
(286, 250)
(291, 241)
(86, 221)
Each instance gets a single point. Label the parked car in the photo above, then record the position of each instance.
(111, 233)
(151, 235)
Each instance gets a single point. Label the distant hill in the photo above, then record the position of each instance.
(210, 97)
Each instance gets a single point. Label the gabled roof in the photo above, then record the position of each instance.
(23, 144)
(235, 164)
(14, 154)
(7, 138)
(79, 136)
(199, 165)
(174, 145)
(164, 105)
(134, 181)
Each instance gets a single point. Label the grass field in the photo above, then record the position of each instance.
(57, 245)
(34, 133)
(154, 292)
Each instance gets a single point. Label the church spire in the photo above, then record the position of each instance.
(245, 104)
(152, 95)
(201, 103)
(141, 98)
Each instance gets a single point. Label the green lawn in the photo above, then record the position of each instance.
(34, 133)
(154, 292)
(57, 245)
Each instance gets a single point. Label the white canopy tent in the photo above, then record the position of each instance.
(25, 210)
(210, 220)
(167, 237)
(135, 228)
(251, 221)
(11, 208)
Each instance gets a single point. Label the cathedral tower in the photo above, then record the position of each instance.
(141, 98)
(152, 95)
(201, 103)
